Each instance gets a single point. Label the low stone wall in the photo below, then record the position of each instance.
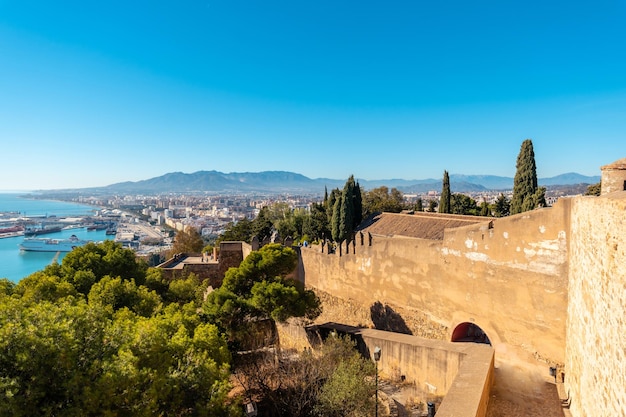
(461, 373)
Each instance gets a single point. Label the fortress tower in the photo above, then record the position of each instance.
(614, 177)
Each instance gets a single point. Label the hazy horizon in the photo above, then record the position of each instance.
(453, 176)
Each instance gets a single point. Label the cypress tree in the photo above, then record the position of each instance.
(525, 182)
(444, 203)
(346, 218)
(330, 205)
(335, 230)
(358, 206)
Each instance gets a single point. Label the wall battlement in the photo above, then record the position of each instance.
(548, 284)
(509, 276)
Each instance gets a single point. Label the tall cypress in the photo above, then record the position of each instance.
(444, 202)
(335, 230)
(525, 182)
(358, 206)
(346, 218)
(330, 205)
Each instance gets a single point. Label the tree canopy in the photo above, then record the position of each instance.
(502, 206)
(445, 200)
(463, 204)
(526, 195)
(259, 289)
(594, 189)
(102, 335)
(382, 199)
(188, 240)
(332, 380)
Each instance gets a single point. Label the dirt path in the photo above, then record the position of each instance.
(523, 389)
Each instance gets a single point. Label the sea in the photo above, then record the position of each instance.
(16, 264)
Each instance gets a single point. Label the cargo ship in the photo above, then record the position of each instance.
(36, 244)
(42, 229)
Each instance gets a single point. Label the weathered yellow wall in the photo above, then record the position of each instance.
(511, 280)
(595, 370)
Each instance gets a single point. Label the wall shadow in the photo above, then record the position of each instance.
(317, 334)
(385, 318)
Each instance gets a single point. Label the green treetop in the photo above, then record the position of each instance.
(188, 240)
(346, 218)
(444, 203)
(259, 289)
(525, 182)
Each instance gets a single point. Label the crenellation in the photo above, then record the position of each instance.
(547, 285)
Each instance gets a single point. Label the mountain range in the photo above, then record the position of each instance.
(278, 182)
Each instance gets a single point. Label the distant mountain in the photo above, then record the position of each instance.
(569, 179)
(214, 181)
(489, 182)
(275, 182)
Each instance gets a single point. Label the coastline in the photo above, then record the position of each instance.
(15, 206)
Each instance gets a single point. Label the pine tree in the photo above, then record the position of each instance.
(525, 195)
(502, 206)
(419, 205)
(262, 225)
(484, 208)
(444, 203)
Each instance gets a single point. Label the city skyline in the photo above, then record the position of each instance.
(96, 94)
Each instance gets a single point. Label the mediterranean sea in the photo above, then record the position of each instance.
(16, 264)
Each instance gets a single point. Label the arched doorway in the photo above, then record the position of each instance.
(469, 332)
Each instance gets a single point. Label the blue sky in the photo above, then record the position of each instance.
(93, 93)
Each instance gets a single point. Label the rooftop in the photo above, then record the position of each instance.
(418, 225)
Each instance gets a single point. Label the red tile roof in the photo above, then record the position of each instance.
(418, 225)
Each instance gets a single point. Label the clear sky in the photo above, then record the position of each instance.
(94, 93)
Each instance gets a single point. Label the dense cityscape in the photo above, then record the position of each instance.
(148, 223)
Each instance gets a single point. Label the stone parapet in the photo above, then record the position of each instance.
(595, 375)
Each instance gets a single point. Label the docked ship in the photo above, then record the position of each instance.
(40, 229)
(36, 244)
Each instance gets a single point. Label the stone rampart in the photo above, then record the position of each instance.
(595, 375)
(205, 266)
(508, 276)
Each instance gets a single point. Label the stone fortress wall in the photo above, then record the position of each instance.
(508, 276)
(549, 284)
(595, 362)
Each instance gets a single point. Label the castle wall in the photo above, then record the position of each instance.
(614, 177)
(231, 255)
(595, 375)
(510, 279)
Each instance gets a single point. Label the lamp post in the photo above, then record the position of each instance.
(377, 351)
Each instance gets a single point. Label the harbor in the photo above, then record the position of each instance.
(36, 233)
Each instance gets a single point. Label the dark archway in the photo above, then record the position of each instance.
(469, 332)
